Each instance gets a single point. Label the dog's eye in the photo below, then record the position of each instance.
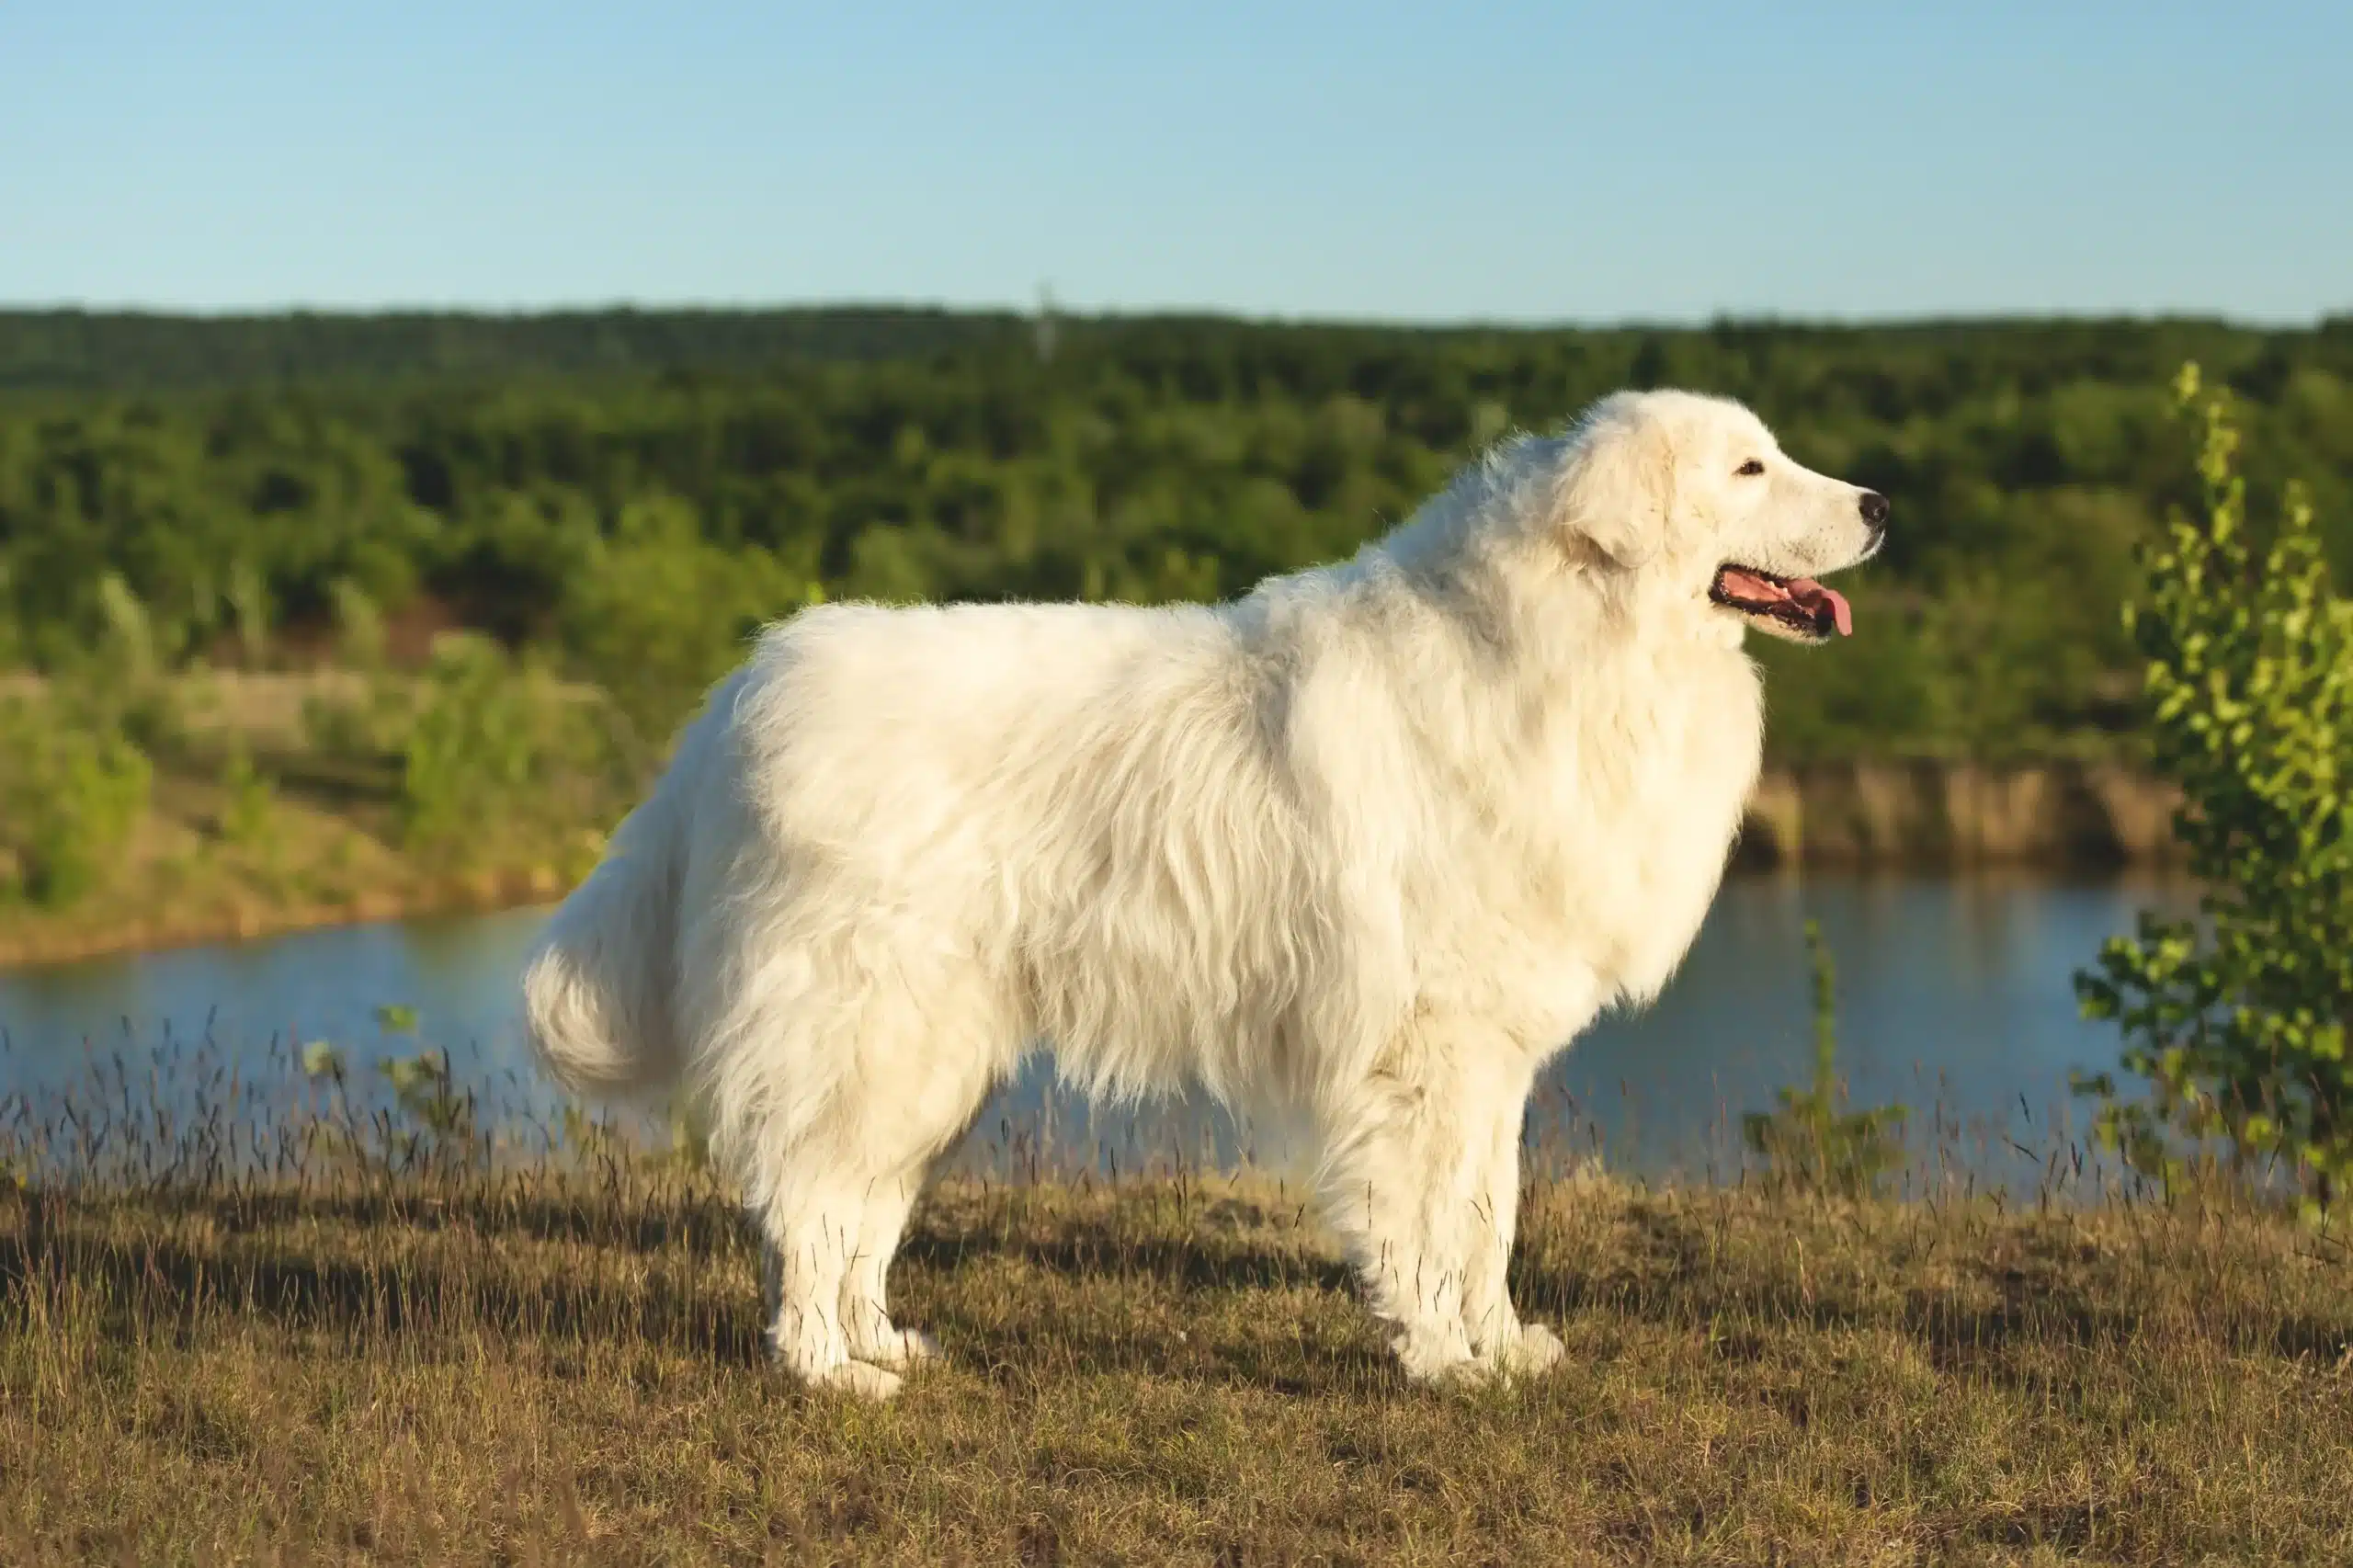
(1750, 469)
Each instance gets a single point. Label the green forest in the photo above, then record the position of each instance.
(623, 494)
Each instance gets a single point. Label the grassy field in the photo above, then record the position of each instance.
(561, 1364)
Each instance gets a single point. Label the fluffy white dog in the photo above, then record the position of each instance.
(1366, 848)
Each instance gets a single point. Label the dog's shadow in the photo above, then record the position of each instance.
(430, 1301)
(708, 1306)
(1227, 1251)
(1192, 1264)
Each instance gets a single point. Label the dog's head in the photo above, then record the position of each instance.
(1693, 493)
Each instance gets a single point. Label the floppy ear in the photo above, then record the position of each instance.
(1618, 489)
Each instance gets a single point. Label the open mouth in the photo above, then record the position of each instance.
(1798, 604)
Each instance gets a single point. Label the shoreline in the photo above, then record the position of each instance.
(482, 893)
(2052, 816)
(2047, 820)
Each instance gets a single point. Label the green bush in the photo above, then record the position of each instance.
(71, 794)
(119, 682)
(359, 626)
(470, 752)
(74, 769)
(2238, 1022)
(366, 723)
(249, 610)
(430, 1123)
(657, 613)
(492, 742)
(249, 805)
(366, 719)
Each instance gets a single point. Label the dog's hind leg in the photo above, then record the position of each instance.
(865, 1308)
(920, 1069)
(779, 1118)
(948, 1053)
(808, 1240)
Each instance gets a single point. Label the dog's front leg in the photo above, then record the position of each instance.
(1497, 1337)
(1405, 1153)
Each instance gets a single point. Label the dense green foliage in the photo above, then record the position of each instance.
(71, 793)
(631, 492)
(2240, 1028)
(137, 350)
(474, 743)
(481, 739)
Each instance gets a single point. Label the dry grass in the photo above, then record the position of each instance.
(563, 1365)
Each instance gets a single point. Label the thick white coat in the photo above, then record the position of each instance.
(1364, 847)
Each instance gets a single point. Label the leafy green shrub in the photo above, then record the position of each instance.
(657, 613)
(366, 719)
(470, 752)
(249, 807)
(2240, 1028)
(360, 638)
(15, 646)
(366, 723)
(71, 793)
(76, 774)
(1814, 1140)
(490, 742)
(421, 1085)
(118, 683)
(422, 1089)
(249, 608)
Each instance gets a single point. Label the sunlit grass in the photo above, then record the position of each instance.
(297, 1329)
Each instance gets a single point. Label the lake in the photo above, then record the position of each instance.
(1954, 996)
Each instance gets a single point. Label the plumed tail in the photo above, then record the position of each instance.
(598, 991)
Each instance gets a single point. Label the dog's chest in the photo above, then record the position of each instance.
(1598, 874)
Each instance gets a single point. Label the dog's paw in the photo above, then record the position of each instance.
(1435, 1354)
(1530, 1352)
(861, 1380)
(900, 1349)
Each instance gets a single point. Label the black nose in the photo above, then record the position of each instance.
(1875, 510)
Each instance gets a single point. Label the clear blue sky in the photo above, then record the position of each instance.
(1438, 162)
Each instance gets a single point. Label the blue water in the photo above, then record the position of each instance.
(1954, 996)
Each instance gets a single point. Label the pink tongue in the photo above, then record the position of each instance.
(1808, 592)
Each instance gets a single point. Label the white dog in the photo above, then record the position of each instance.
(1368, 845)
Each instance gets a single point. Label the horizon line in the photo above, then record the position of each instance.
(2062, 316)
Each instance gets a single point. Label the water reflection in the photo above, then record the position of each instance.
(1954, 996)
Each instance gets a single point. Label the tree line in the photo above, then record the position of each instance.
(627, 493)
